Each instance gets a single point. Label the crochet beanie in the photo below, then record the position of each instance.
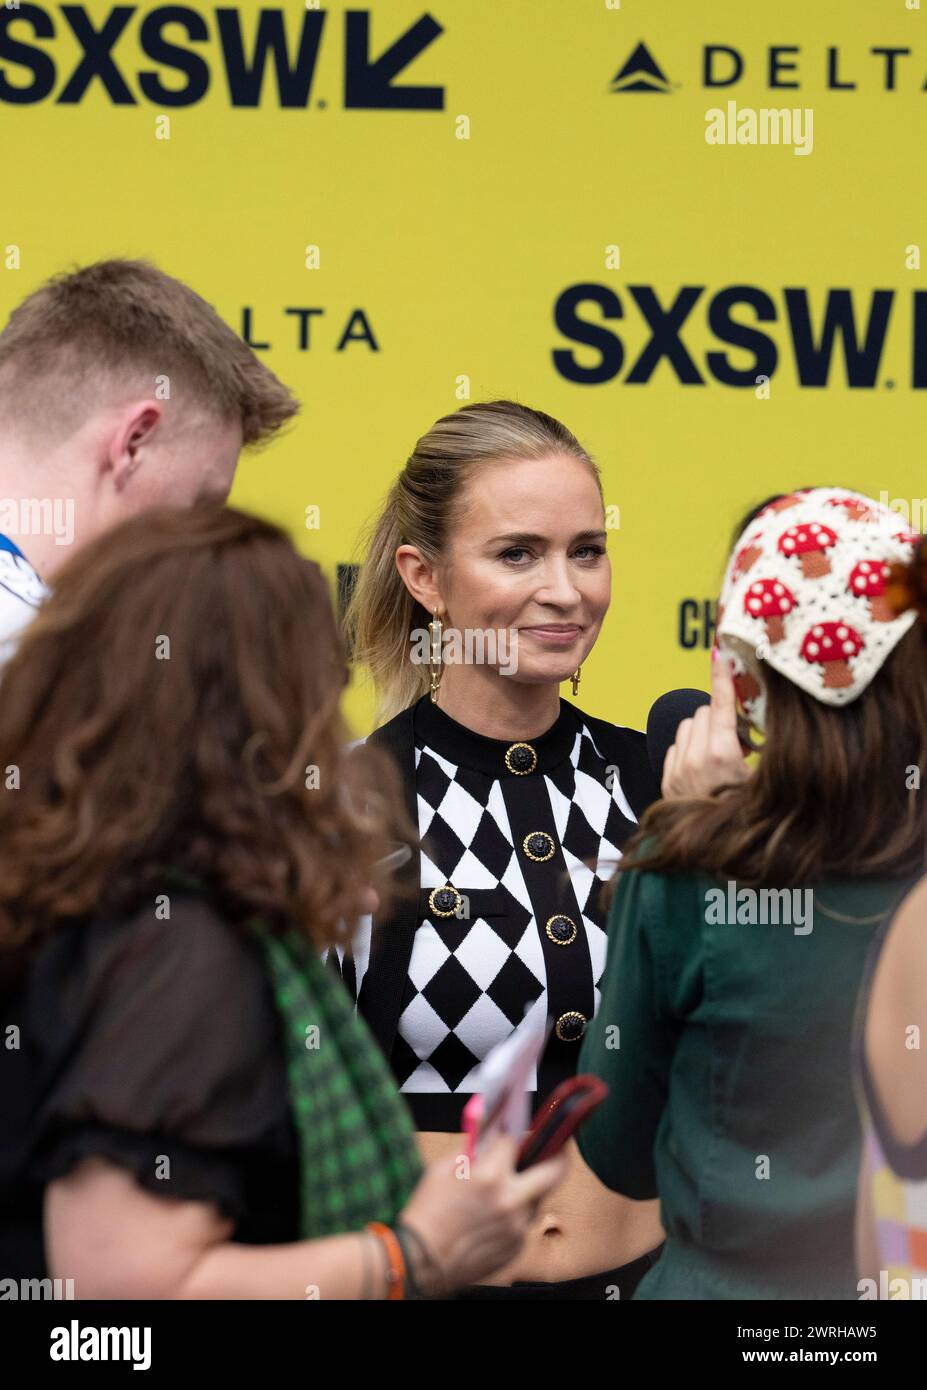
(805, 591)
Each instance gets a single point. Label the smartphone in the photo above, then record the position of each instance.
(559, 1119)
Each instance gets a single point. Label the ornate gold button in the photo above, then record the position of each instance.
(538, 846)
(570, 1026)
(445, 901)
(521, 759)
(561, 929)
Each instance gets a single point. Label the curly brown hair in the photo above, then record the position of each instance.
(175, 704)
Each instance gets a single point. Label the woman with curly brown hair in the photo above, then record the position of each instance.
(183, 834)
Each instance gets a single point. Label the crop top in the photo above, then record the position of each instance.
(506, 917)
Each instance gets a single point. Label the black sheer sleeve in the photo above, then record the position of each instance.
(159, 1049)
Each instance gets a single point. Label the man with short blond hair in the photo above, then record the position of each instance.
(120, 389)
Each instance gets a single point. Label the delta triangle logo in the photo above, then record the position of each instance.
(641, 73)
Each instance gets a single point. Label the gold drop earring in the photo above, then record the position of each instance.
(435, 629)
(574, 679)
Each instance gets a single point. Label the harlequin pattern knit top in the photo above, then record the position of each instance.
(505, 919)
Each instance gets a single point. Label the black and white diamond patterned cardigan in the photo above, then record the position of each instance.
(448, 976)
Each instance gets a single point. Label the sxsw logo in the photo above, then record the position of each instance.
(847, 329)
(781, 66)
(239, 46)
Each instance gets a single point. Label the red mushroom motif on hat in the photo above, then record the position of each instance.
(868, 579)
(908, 538)
(833, 646)
(770, 600)
(747, 689)
(746, 557)
(791, 499)
(856, 508)
(808, 543)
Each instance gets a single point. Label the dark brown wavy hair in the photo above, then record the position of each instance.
(176, 704)
(835, 790)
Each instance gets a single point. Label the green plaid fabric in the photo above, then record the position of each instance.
(358, 1158)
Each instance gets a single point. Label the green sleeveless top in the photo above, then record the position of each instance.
(724, 1033)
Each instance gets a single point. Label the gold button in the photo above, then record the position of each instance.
(521, 759)
(570, 1026)
(538, 846)
(444, 901)
(561, 929)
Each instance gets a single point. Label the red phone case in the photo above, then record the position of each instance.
(555, 1122)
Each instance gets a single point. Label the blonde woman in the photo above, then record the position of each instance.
(494, 534)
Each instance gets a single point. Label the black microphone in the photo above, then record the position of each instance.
(664, 720)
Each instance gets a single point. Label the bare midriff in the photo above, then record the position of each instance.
(581, 1227)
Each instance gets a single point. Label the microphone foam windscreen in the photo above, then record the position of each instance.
(664, 719)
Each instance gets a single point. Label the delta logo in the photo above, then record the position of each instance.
(641, 73)
(267, 57)
(885, 67)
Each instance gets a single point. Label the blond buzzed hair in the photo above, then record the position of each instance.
(122, 326)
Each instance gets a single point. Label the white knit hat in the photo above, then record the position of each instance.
(805, 592)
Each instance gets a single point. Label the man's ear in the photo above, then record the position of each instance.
(135, 425)
(419, 578)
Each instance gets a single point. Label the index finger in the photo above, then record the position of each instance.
(723, 695)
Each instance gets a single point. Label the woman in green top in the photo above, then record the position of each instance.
(739, 929)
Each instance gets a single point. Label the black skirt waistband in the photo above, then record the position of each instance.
(611, 1285)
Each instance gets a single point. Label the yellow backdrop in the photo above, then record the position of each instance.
(438, 237)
